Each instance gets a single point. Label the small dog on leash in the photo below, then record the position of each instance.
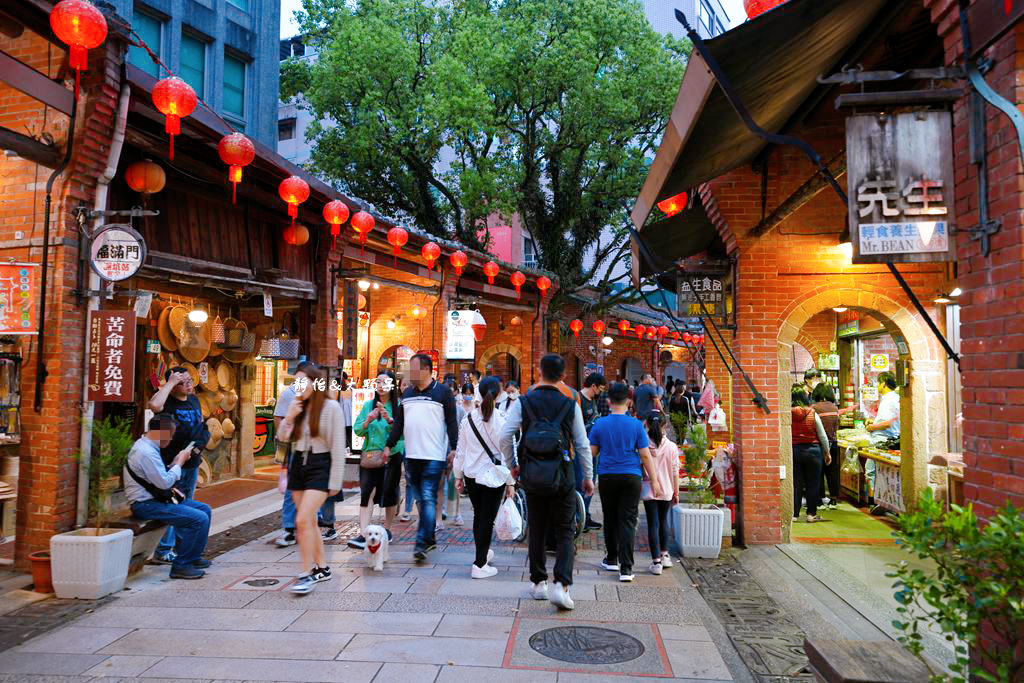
(376, 550)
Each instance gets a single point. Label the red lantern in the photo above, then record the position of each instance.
(675, 335)
(175, 99)
(296, 235)
(599, 327)
(491, 269)
(662, 331)
(543, 284)
(397, 237)
(363, 224)
(335, 212)
(673, 205)
(145, 177)
(758, 7)
(650, 333)
(293, 190)
(236, 151)
(623, 326)
(431, 252)
(640, 330)
(458, 259)
(81, 26)
(518, 279)
(687, 337)
(576, 326)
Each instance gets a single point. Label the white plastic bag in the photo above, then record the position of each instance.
(509, 523)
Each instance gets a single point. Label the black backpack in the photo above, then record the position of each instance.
(545, 466)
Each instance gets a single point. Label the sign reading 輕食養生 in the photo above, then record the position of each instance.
(900, 179)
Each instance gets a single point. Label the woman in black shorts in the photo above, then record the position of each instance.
(378, 481)
(316, 428)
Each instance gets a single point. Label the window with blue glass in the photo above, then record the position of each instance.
(234, 87)
(150, 30)
(240, 4)
(193, 63)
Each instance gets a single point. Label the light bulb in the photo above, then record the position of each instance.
(391, 324)
(198, 316)
(956, 292)
(363, 285)
(839, 309)
(417, 311)
(942, 299)
(376, 286)
(607, 341)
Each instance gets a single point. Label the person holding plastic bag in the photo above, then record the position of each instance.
(480, 471)
(665, 458)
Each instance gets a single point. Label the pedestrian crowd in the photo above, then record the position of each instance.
(484, 440)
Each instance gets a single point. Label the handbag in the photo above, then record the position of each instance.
(372, 460)
(498, 474)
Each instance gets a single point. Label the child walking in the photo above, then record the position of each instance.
(665, 457)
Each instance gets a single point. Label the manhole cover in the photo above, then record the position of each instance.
(261, 583)
(586, 645)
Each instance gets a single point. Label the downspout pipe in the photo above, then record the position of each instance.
(100, 204)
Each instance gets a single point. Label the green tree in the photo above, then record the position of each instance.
(548, 109)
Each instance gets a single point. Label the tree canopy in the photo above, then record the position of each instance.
(442, 113)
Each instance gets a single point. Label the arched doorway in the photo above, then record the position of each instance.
(396, 359)
(632, 370)
(502, 360)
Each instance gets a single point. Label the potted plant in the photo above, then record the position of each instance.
(91, 562)
(698, 521)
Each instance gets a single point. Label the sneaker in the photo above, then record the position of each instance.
(186, 572)
(490, 555)
(328, 533)
(610, 566)
(832, 506)
(358, 542)
(439, 526)
(666, 560)
(201, 563)
(404, 517)
(390, 537)
(560, 596)
(444, 516)
(321, 574)
(286, 540)
(431, 545)
(303, 585)
(813, 518)
(167, 558)
(626, 578)
(539, 591)
(591, 525)
(420, 554)
(483, 572)
(458, 520)
(655, 568)
(826, 500)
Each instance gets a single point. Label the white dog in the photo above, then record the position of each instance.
(376, 550)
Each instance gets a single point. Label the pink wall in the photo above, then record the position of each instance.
(506, 238)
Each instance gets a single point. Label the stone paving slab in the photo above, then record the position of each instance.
(694, 659)
(650, 595)
(425, 650)
(394, 623)
(462, 674)
(450, 604)
(251, 644)
(246, 669)
(407, 673)
(475, 626)
(179, 597)
(502, 589)
(57, 664)
(205, 618)
(684, 632)
(74, 640)
(123, 665)
(612, 612)
(379, 584)
(325, 600)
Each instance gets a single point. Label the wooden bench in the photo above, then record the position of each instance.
(7, 493)
(147, 533)
(862, 661)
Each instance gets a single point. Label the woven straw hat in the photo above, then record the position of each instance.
(176, 320)
(229, 428)
(216, 433)
(194, 342)
(229, 401)
(225, 375)
(163, 330)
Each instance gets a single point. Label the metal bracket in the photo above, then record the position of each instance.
(855, 74)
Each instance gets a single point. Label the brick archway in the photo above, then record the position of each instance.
(493, 351)
(922, 403)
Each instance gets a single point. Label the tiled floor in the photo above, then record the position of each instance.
(413, 622)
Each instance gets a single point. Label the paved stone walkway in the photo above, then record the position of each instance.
(409, 623)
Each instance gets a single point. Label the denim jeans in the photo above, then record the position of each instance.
(657, 525)
(424, 476)
(187, 485)
(191, 519)
(325, 516)
(409, 497)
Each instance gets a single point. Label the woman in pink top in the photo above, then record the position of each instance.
(665, 456)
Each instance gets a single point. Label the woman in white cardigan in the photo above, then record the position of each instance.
(316, 428)
(480, 470)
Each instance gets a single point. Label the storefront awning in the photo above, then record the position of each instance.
(688, 233)
(773, 62)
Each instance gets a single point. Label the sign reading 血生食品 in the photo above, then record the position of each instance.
(900, 179)
(705, 288)
(111, 356)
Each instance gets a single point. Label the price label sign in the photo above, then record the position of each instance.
(880, 362)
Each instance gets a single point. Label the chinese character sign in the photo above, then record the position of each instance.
(117, 252)
(111, 356)
(18, 298)
(460, 343)
(900, 175)
(703, 288)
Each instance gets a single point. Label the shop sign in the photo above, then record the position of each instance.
(117, 252)
(153, 346)
(828, 361)
(460, 342)
(592, 369)
(18, 298)
(554, 337)
(112, 356)
(880, 362)
(349, 341)
(268, 304)
(889, 487)
(360, 397)
(869, 392)
(695, 288)
(142, 304)
(900, 179)
(849, 324)
(990, 19)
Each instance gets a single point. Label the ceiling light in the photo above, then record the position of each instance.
(376, 286)
(839, 309)
(198, 316)
(943, 299)
(363, 285)
(956, 292)
(607, 341)
(391, 324)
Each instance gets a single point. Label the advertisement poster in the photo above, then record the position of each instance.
(18, 298)
(888, 487)
(111, 356)
(460, 344)
(359, 399)
(880, 362)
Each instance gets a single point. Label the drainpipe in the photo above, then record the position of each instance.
(102, 189)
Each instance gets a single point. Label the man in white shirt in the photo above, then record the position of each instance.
(887, 420)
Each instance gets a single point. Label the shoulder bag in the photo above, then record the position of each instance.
(497, 476)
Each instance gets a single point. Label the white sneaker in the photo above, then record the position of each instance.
(483, 572)
(458, 520)
(560, 597)
(813, 518)
(539, 591)
(666, 560)
(612, 567)
(490, 555)
(626, 578)
(404, 517)
(655, 568)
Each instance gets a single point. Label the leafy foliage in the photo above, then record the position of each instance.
(696, 451)
(446, 113)
(977, 585)
(111, 443)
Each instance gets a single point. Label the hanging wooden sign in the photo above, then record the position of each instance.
(111, 356)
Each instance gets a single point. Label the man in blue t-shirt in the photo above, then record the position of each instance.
(646, 395)
(624, 449)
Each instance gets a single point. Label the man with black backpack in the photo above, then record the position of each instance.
(553, 434)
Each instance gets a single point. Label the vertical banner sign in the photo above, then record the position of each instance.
(350, 321)
(707, 282)
(111, 355)
(460, 342)
(18, 298)
(359, 398)
(900, 175)
(268, 304)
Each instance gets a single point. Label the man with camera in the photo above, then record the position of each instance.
(149, 486)
(177, 397)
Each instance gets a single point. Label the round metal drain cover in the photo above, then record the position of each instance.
(261, 583)
(586, 645)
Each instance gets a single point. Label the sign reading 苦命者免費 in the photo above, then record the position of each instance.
(111, 356)
(117, 252)
(18, 298)
(460, 343)
(900, 180)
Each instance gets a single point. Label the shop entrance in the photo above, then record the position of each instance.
(396, 359)
(632, 371)
(502, 360)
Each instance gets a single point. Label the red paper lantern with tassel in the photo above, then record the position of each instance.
(599, 327)
(640, 330)
(175, 99)
(397, 238)
(82, 27)
(576, 326)
(431, 252)
(296, 235)
(363, 224)
(491, 270)
(687, 337)
(543, 284)
(757, 7)
(662, 331)
(458, 259)
(236, 151)
(623, 326)
(518, 280)
(293, 190)
(335, 212)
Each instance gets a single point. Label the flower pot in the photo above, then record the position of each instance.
(41, 580)
(698, 531)
(90, 563)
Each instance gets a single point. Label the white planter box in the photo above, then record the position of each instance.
(698, 532)
(89, 566)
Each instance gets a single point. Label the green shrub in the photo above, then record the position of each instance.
(111, 443)
(696, 451)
